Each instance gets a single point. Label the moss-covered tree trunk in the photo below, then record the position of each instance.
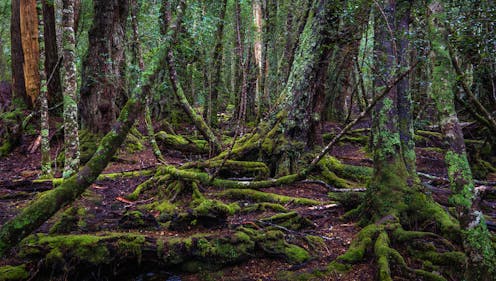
(71, 137)
(477, 241)
(102, 81)
(303, 95)
(405, 106)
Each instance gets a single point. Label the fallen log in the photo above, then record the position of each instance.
(117, 252)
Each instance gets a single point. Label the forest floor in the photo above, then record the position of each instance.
(105, 205)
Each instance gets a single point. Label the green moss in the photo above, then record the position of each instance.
(131, 246)
(5, 148)
(381, 249)
(273, 243)
(133, 142)
(208, 207)
(264, 207)
(12, 273)
(72, 219)
(360, 244)
(290, 220)
(84, 247)
(260, 196)
(296, 254)
(459, 174)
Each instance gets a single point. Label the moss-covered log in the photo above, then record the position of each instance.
(113, 252)
(13, 273)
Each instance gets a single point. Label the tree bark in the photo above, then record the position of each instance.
(30, 48)
(303, 91)
(216, 87)
(17, 54)
(71, 137)
(477, 241)
(102, 82)
(54, 86)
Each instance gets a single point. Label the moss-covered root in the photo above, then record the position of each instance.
(340, 174)
(233, 167)
(194, 253)
(180, 143)
(375, 238)
(259, 196)
(146, 185)
(13, 273)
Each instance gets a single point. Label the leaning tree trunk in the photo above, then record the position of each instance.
(477, 240)
(102, 81)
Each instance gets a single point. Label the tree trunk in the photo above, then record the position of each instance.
(71, 137)
(213, 107)
(477, 241)
(17, 54)
(103, 74)
(30, 48)
(54, 87)
(405, 107)
(303, 92)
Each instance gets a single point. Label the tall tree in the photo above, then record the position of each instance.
(71, 138)
(103, 67)
(30, 48)
(477, 241)
(54, 90)
(216, 87)
(17, 54)
(303, 95)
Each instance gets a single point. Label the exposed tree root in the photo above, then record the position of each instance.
(259, 196)
(180, 143)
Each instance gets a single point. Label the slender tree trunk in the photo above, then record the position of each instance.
(216, 87)
(71, 138)
(477, 241)
(138, 59)
(54, 89)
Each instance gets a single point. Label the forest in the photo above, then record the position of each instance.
(248, 140)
